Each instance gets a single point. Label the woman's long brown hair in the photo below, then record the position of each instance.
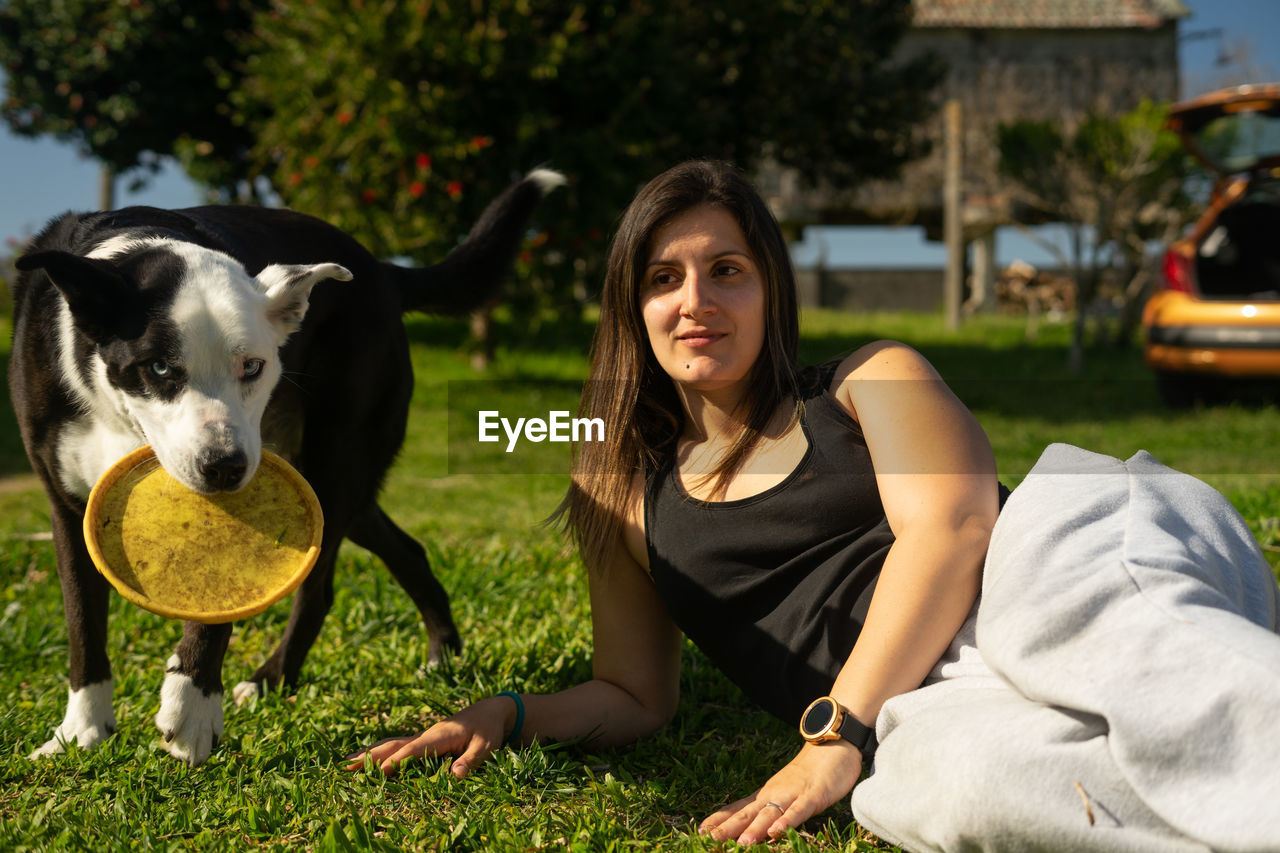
(626, 388)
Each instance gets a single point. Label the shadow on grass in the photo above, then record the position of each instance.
(570, 332)
(1030, 380)
(1002, 376)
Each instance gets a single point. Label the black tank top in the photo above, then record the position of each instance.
(774, 588)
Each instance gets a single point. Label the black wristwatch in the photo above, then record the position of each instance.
(824, 720)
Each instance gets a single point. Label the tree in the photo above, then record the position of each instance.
(128, 81)
(1118, 183)
(399, 120)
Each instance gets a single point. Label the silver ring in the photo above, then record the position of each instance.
(775, 805)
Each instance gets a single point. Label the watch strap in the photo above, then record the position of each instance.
(861, 736)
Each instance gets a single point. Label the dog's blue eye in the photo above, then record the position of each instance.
(252, 367)
(161, 368)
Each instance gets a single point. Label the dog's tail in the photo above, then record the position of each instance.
(471, 273)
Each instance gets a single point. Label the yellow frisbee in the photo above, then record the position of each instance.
(205, 558)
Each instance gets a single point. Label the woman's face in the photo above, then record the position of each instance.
(702, 298)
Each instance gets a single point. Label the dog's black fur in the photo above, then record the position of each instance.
(339, 414)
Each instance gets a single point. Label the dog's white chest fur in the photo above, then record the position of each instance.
(103, 431)
(87, 447)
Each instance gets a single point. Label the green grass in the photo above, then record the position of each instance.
(520, 600)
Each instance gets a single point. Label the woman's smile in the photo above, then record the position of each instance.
(698, 338)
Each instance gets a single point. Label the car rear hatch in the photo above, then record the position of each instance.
(1233, 253)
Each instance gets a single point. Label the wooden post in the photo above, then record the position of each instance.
(952, 226)
(482, 337)
(106, 188)
(982, 291)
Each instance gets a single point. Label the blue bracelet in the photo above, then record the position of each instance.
(515, 731)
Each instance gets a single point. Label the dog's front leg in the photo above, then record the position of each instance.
(190, 716)
(311, 604)
(90, 718)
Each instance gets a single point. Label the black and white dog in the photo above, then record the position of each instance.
(173, 328)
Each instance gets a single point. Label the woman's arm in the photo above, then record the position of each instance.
(937, 481)
(633, 692)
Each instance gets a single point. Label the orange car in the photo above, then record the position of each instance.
(1217, 319)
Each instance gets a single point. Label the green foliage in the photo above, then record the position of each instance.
(128, 81)
(399, 120)
(1026, 146)
(1121, 175)
(1119, 182)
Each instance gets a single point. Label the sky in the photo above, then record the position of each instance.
(42, 178)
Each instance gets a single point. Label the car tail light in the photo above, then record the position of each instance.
(1177, 271)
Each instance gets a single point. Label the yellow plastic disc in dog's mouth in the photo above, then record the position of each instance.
(206, 558)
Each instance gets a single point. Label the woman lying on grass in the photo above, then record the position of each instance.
(823, 535)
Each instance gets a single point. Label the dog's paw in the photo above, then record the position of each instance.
(88, 722)
(246, 690)
(190, 721)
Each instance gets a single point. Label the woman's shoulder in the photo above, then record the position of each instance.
(882, 359)
(878, 360)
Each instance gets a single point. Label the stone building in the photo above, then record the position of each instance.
(1006, 59)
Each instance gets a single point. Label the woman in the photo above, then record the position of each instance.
(821, 535)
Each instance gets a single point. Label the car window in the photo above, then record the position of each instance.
(1238, 142)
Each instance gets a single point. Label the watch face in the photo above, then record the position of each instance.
(818, 717)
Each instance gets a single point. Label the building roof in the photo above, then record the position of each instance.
(1046, 14)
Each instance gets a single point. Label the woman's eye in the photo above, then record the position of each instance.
(664, 279)
(726, 270)
(253, 367)
(161, 369)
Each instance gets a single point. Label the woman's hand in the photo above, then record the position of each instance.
(812, 781)
(472, 735)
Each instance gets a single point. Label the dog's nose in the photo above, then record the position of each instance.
(224, 472)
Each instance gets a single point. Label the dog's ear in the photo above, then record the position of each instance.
(287, 287)
(103, 302)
